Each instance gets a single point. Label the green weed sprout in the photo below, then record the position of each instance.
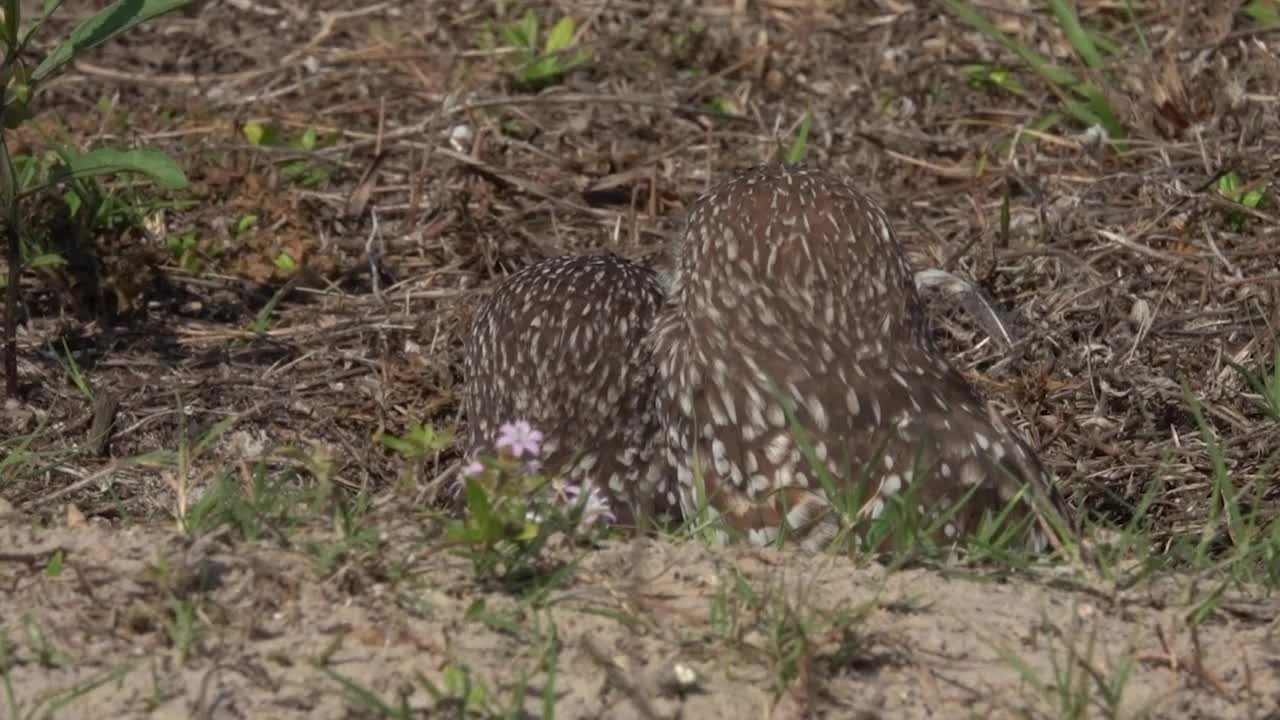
(536, 67)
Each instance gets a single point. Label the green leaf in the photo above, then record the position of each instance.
(28, 170)
(998, 77)
(522, 34)
(181, 243)
(529, 30)
(511, 35)
(1229, 186)
(255, 132)
(73, 201)
(9, 26)
(108, 161)
(45, 260)
(455, 682)
(107, 23)
(430, 439)
(481, 512)
(39, 261)
(285, 263)
(53, 568)
(399, 445)
(561, 35)
(156, 458)
(544, 68)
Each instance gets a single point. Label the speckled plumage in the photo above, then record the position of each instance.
(792, 301)
(561, 343)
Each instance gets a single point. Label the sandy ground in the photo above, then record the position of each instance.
(642, 629)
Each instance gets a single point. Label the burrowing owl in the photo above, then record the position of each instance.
(793, 345)
(561, 344)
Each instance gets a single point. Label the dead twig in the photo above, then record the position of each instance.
(33, 555)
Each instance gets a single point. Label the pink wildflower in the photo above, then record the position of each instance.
(597, 505)
(520, 438)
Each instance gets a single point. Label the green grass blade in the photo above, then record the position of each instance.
(9, 187)
(800, 145)
(1080, 39)
(1137, 26)
(1041, 64)
(1086, 102)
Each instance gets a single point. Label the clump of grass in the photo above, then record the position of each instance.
(1080, 684)
(23, 458)
(463, 692)
(782, 627)
(1083, 100)
(274, 500)
(1237, 546)
(182, 464)
(51, 703)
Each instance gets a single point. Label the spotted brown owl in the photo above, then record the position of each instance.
(793, 358)
(561, 344)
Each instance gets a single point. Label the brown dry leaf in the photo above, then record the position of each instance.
(1171, 106)
(76, 518)
(1155, 99)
